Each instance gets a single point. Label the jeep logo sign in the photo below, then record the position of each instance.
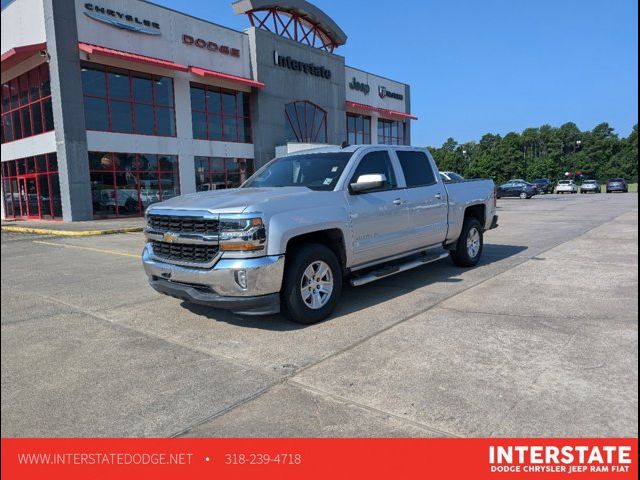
(361, 87)
(384, 93)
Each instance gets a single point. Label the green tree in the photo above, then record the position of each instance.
(544, 152)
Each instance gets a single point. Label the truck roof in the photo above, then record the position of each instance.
(350, 148)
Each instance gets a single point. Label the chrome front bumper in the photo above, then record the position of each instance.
(221, 285)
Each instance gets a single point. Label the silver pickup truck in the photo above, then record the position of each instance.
(304, 223)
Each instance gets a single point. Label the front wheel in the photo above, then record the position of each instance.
(524, 196)
(469, 247)
(312, 284)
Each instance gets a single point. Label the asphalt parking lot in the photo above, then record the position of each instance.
(541, 339)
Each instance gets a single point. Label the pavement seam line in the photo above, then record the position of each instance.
(91, 249)
(369, 408)
(227, 409)
(543, 317)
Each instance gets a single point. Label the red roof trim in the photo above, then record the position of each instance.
(383, 111)
(15, 55)
(225, 76)
(132, 57)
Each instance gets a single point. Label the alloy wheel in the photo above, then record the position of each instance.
(316, 285)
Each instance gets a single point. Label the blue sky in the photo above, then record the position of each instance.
(488, 66)
(492, 65)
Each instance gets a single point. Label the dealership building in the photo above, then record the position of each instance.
(112, 105)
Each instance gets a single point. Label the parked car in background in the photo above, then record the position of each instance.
(566, 186)
(517, 188)
(590, 186)
(451, 177)
(617, 185)
(544, 185)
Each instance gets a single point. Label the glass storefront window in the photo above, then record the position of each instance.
(307, 122)
(26, 105)
(391, 132)
(220, 114)
(31, 189)
(124, 101)
(358, 129)
(213, 173)
(125, 184)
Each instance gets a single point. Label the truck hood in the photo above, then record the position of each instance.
(237, 200)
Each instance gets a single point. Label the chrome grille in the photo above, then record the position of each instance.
(180, 224)
(182, 252)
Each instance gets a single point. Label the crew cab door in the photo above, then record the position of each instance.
(379, 219)
(427, 200)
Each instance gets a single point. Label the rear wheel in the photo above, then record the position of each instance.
(523, 195)
(312, 284)
(469, 247)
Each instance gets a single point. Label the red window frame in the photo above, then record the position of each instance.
(246, 118)
(385, 132)
(115, 169)
(244, 171)
(304, 132)
(28, 168)
(25, 84)
(132, 101)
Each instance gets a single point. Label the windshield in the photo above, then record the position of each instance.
(317, 171)
(565, 182)
(589, 181)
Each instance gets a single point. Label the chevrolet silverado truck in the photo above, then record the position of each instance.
(303, 224)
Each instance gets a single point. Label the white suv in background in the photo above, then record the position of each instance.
(566, 186)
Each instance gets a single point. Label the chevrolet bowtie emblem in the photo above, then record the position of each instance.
(169, 237)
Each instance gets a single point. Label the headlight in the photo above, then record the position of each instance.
(242, 234)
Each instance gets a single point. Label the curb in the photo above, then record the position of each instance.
(70, 233)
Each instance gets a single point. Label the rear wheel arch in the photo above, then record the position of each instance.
(479, 212)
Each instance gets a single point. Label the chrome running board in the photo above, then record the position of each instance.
(392, 269)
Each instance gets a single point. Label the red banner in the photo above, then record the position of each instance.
(503, 459)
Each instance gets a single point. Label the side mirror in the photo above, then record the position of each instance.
(369, 183)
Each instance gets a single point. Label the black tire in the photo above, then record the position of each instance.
(293, 305)
(460, 256)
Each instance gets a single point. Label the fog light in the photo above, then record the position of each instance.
(241, 279)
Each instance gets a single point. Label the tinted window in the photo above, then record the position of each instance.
(417, 168)
(376, 163)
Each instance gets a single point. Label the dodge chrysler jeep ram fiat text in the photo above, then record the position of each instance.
(302, 224)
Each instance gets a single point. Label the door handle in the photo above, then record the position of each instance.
(397, 201)
(438, 196)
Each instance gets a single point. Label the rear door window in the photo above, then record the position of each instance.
(416, 168)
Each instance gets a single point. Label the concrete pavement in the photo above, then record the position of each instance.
(540, 339)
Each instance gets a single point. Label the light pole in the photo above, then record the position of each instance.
(576, 145)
